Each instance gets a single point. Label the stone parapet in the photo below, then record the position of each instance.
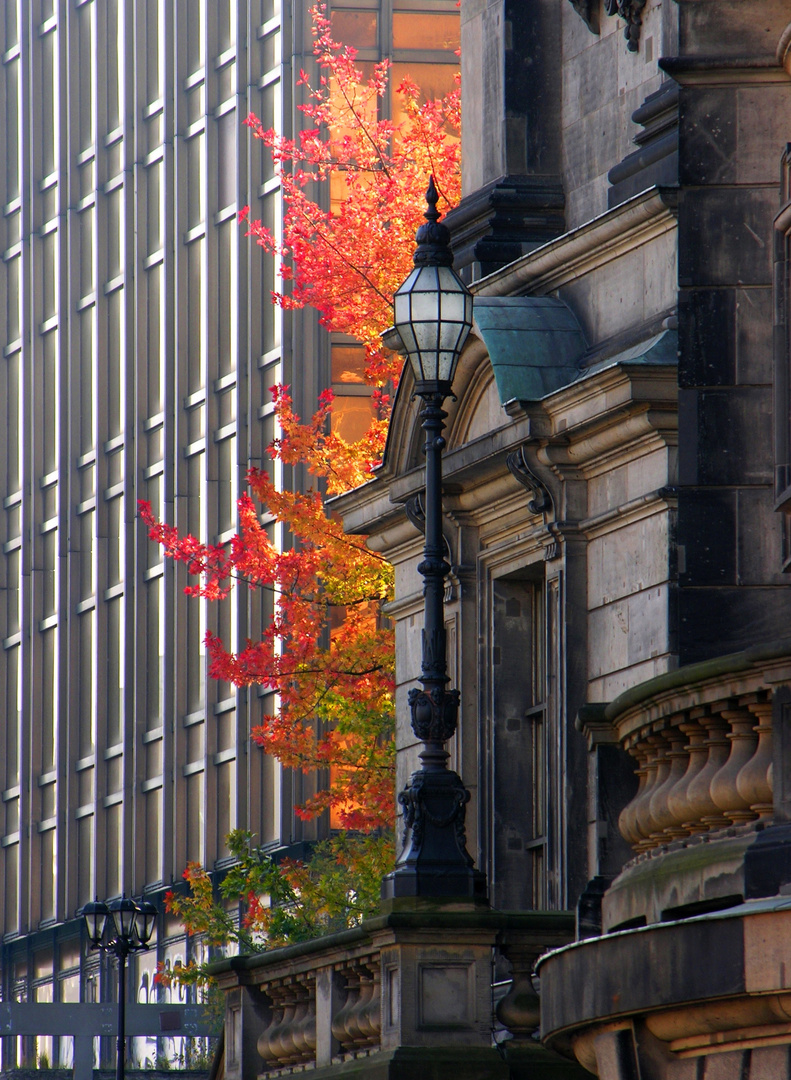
(411, 985)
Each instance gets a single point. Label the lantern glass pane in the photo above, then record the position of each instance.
(425, 307)
(146, 921)
(124, 914)
(95, 915)
(445, 366)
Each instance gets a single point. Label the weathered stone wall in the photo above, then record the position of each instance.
(603, 84)
(735, 116)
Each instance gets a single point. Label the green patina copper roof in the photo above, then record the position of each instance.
(535, 344)
(662, 348)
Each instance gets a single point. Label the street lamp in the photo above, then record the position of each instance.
(433, 316)
(120, 927)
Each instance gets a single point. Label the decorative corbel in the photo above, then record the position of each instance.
(416, 512)
(541, 502)
(588, 11)
(631, 11)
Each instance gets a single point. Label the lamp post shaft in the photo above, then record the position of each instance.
(434, 568)
(434, 861)
(119, 1069)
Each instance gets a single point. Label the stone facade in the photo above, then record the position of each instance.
(616, 509)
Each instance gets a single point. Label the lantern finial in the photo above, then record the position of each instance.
(433, 238)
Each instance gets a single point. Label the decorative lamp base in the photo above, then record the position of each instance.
(434, 862)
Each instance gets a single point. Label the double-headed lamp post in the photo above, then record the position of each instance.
(433, 316)
(120, 927)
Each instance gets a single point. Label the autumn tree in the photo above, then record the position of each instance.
(326, 654)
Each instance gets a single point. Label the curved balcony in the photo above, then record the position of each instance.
(703, 739)
(694, 960)
(652, 1003)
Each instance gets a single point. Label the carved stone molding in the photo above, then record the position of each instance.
(631, 11)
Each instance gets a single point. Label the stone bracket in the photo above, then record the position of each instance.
(541, 501)
(631, 11)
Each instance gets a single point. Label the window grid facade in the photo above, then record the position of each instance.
(136, 357)
(138, 348)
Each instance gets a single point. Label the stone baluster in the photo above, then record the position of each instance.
(287, 1052)
(704, 814)
(658, 767)
(304, 1028)
(344, 1028)
(696, 756)
(754, 782)
(627, 821)
(520, 1010)
(640, 814)
(290, 1038)
(661, 813)
(743, 741)
(355, 1021)
(369, 1012)
(269, 1040)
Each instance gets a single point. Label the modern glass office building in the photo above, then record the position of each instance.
(138, 345)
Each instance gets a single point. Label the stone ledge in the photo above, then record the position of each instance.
(425, 917)
(663, 977)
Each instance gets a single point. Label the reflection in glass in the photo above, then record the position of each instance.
(356, 28)
(425, 30)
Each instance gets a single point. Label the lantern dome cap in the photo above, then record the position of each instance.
(433, 307)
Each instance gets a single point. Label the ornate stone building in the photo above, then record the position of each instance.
(616, 513)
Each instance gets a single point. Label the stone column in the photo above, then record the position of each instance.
(734, 119)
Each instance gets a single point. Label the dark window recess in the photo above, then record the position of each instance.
(520, 844)
(702, 907)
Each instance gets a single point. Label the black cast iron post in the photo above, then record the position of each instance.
(121, 953)
(120, 927)
(434, 862)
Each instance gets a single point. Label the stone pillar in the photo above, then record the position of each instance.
(512, 194)
(245, 1016)
(734, 119)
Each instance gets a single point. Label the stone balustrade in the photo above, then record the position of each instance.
(712, 747)
(399, 985)
(701, 768)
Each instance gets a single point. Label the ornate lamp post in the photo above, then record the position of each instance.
(120, 927)
(433, 316)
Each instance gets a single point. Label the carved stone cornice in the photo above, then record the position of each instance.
(627, 226)
(713, 71)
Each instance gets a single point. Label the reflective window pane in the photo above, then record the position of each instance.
(357, 28)
(425, 30)
(348, 364)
